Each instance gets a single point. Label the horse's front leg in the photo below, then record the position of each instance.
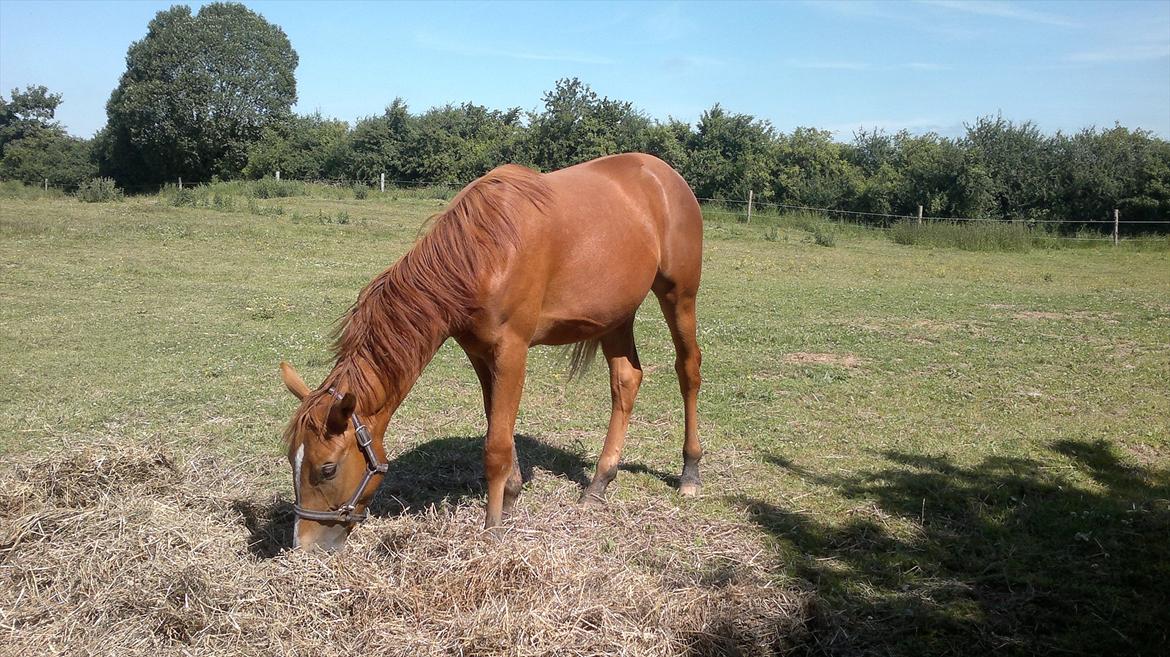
(506, 373)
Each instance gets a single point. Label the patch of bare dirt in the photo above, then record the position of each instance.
(841, 360)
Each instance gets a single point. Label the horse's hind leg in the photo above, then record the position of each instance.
(678, 306)
(625, 376)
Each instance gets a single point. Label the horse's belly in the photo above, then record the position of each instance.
(589, 300)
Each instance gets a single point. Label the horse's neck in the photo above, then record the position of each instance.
(380, 391)
(401, 319)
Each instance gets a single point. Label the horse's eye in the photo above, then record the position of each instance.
(328, 470)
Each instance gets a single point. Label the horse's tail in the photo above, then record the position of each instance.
(581, 357)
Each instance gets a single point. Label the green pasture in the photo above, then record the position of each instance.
(956, 452)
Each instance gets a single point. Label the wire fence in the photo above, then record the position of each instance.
(900, 217)
(887, 221)
(740, 210)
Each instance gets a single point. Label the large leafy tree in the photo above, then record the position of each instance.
(197, 92)
(381, 144)
(33, 146)
(301, 147)
(578, 125)
(456, 143)
(1017, 161)
(669, 141)
(730, 154)
(811, 170)
(1116, 168)
(26, 112)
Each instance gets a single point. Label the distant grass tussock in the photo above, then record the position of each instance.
(1002, 236)
(14, 189)
(99, 190)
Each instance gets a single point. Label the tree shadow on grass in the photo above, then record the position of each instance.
(667, 478)
(1013, 556)
(444, 471)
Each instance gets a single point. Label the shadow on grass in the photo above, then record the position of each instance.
(1011, 556)
(667, 478)
(444, 471)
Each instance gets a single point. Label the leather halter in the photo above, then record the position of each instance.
(345, 513)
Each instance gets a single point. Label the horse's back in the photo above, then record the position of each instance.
(619, 226)
(631, 197)
(635, 199)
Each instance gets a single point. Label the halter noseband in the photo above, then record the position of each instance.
(345, 513)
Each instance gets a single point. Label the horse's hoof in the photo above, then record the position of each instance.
(591, 500)
(495, 534)
(688, 489)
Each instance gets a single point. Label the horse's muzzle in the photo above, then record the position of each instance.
(320, 536)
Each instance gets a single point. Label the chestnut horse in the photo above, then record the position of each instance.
(517, 259)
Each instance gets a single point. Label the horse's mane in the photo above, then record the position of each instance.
(401, 314)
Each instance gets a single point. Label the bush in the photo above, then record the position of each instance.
(803, 220)
(342, 217)
(99, 190)
(181, 197)
(980, 236)
(905, 233)
(360, 191)
(273, 188)
(824, 236)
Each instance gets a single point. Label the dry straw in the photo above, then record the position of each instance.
(122, 550)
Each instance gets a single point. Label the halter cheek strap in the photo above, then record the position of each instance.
(346, 512)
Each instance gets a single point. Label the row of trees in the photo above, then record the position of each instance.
(209, 96)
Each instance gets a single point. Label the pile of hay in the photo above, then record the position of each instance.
(124, 550)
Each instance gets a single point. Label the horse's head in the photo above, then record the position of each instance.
(334, 476)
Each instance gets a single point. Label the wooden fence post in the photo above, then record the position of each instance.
(278, 174)
(382, 183)
(749, 216)
(46, 184)
(1116, 221)
(180, 183)
(920, 215)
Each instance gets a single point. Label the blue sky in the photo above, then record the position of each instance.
(917, 65)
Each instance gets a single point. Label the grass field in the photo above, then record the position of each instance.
(944, 452)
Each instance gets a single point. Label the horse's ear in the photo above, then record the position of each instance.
(293, 381)
(339, 414)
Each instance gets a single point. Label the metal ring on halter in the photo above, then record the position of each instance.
(345, 513)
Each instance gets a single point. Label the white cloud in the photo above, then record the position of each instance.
(925, 66)
(839, 65)
(1123, 53)
(896, 13)
(1006, 10)
(846, 65)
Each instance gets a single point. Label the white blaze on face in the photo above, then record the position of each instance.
(297, 490)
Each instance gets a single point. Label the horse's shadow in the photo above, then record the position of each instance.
(445, 471)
